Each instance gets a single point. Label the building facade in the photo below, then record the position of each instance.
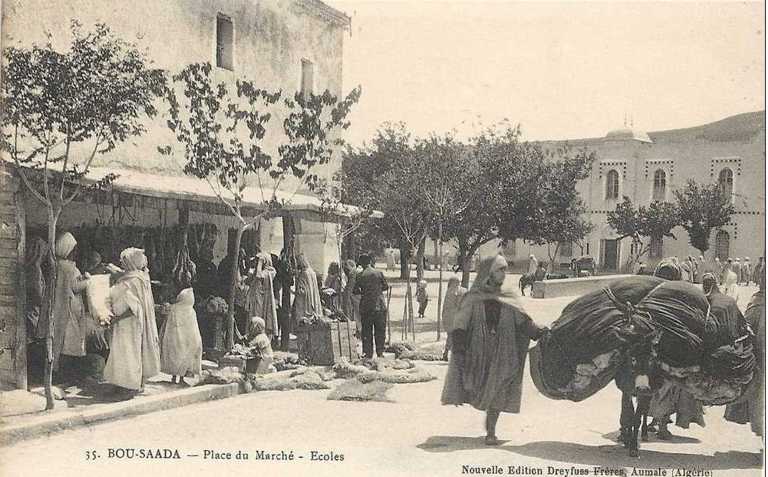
(287, 45)
(651, 166)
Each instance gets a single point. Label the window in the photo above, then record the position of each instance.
(307, 77)
(657, 247)
(659, 185)
(612, 184)
(566, 249)
(725, 180)
(722, 245)
(224, 41)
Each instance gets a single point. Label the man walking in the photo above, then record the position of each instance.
(370, 285)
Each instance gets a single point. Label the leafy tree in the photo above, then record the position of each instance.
(403, 203)
(655, 221)
(62, 110)
(444, 162)
(559, 217)
(361, 170)
(221, 127)
(702, 208)
(501, 174)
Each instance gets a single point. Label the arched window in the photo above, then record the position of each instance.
(725, 180)
(659, 185)
(722, 245)
(612, 184)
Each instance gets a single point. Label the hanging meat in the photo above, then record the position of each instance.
(185, 271)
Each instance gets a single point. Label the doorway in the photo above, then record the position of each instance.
(610, 255)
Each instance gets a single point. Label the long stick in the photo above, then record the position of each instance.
(404, 329)
(440, 278)
(389, 328)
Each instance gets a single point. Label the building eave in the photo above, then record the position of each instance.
(326, 12)
(188, 188)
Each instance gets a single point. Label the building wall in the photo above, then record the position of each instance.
(8, 271)
(271, 37)
(695, 153)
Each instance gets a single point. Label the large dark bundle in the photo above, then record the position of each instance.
(679, 311)
(582, 352)
(711, 358)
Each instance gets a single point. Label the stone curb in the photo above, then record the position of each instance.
(39, 426)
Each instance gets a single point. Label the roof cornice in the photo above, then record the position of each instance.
(325, 11)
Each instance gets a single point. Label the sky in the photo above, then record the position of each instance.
(562, 70)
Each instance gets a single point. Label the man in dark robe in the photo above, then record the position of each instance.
(490, 344)
(370, 285)
(751, 407)
(671, 399)
(207, 283)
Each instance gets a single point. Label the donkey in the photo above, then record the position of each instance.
(634, 380)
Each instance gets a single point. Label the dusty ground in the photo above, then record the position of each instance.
(413, 436)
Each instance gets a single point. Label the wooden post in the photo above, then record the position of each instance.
(439, 246)
(389, 328)
(20, 349)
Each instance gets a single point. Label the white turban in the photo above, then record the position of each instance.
(65, 244)
(133, 259)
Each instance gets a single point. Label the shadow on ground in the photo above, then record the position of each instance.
(100, 393)
(614, 436)
(601, 455)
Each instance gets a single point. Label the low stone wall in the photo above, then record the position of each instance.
(571, 286)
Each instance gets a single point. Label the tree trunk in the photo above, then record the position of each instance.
(552, 257)
(440, 277)
(464, 259)
(405, 260)
(233, 279)
(50, 290)
(289, 232)
(420, 259)
(409, 302)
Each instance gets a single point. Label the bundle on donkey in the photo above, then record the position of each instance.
(643, 326)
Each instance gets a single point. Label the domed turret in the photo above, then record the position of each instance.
(627, 134)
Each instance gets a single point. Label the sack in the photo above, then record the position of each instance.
(97, 293)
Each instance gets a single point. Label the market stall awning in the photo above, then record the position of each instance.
(184, 187)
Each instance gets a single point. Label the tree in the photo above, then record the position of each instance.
(61, 110)
(361, 170)
(404, 204)
(443, 163)
(221, 127)
(559, 217)
(501, 176)
(702, 208)
(655, 222)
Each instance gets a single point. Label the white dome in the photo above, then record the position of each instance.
(626, 134)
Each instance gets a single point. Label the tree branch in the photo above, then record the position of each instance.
(79, 185)
(64, 167)
(45, 177)
(232, 208)
(34, 191)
